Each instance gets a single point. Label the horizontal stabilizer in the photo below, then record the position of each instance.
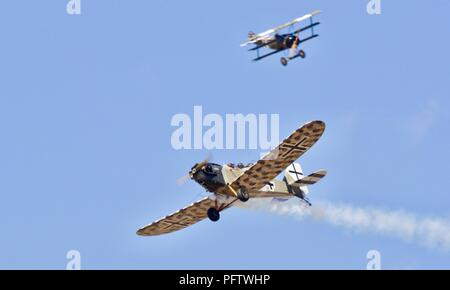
(311, 179)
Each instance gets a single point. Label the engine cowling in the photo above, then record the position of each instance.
(290, 40)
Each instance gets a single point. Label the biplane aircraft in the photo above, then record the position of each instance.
(231, 184)
(288, 42)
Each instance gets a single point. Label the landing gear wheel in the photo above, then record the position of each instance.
(243, 195)
(284, 61)
(213, 214)
(302, 53)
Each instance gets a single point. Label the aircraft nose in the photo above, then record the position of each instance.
(194, 175)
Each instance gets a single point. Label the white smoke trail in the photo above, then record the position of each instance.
(429, 231)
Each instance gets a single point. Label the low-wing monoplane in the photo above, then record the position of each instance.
(238, 183)
(288, 42)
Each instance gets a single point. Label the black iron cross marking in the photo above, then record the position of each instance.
(171, 223)
(270, 184)
(295, 147)
(295, 172)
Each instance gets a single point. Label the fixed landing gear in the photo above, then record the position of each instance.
(302, 54)
(213, 214)
(243, 195)
(284, 61)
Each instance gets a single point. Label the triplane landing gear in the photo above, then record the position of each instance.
(302, 53)
(284, 61)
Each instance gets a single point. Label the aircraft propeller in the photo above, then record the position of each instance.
(195, 168)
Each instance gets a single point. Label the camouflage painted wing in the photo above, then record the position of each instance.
(311, 179)
(179, 220)
(271, 165)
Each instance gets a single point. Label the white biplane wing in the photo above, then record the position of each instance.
(269, 32)
(271, 165)
(179, 220)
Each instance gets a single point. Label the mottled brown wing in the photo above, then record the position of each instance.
(179, 220)
(271, 165)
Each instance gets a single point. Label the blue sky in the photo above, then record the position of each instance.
(85, 108)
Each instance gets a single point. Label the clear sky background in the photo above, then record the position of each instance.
(85, 109)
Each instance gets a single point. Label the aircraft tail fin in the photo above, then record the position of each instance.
(294, 173)
(251, 35)
(298, 181)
